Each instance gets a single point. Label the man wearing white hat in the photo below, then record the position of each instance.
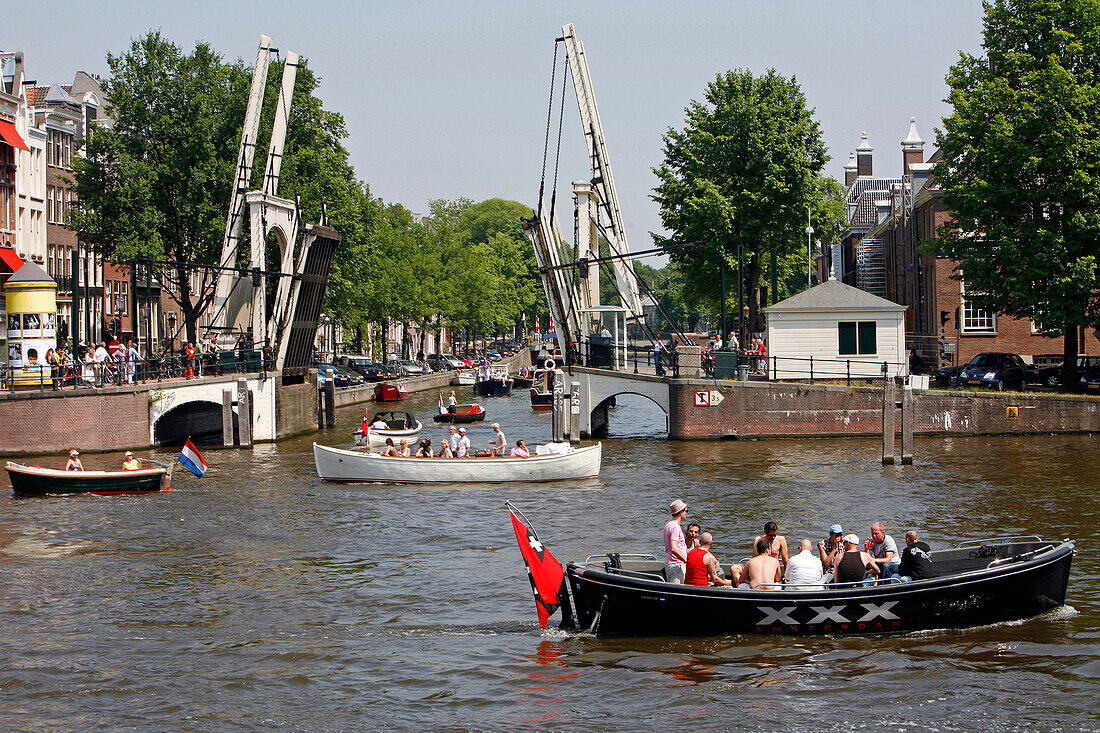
(463, 444)
(129, 463)
(675, 546)
(497, 441)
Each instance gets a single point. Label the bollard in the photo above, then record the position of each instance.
(908, 402)
(244, 413)
(560, 416)
(888, 421)
(574, 412)
(227, 417)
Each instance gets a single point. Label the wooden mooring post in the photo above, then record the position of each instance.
(908, 403)
(888, 407)
(574, 412)
(560, 415)
(244, 413)
(227, 418)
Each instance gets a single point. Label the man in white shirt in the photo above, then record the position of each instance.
(804, 569)
(101, 353)
(463, 449)
(497, 441)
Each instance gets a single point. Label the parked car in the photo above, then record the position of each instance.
(406, 367)
(1051, 376)
(371, 371)
(948, 376)
(1092, 379)
(995, 370)
(445, 362)
(341, 377)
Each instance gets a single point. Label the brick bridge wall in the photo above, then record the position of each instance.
(786, 410)
(52, 422)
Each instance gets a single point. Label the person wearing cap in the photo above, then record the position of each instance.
(497, 441)
(830, 549)
(856, 565)
(129, 463)
(463, 450)
(675, 546)
(425, 449)
(74, 463)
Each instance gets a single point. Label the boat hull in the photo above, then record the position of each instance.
(618, 604)
(384, 392)
(460, 416)
(463, 378)
(541, 400)
(336, 464)
(36, 481)
(522, 382)
(493, 387)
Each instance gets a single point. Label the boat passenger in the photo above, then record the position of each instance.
(74, 463)
(830, 550)
(404, 451)
(856, 565)
(916, 559)
(675, 546)
(762, 570)
(497, 441)
(130, 463)
(702, 566)
(453, 438)
(452, 403)
(380, 424)
(425, 449)
(692, 536)
(389, 450)
(445, 450)
(463, 444)
(775, 540)
(520, 451)
(804, 569)
(884, 550)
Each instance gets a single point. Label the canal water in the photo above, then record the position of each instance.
(260, 598)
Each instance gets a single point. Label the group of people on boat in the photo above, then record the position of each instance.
(129, 463)
(840, 558)
(456, 445)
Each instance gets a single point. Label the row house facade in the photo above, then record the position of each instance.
(883, 251)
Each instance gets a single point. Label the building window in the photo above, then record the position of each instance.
(857, 338)
(976, 320)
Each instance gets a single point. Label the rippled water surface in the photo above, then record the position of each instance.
(262, 598)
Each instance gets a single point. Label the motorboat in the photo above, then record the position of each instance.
(493, 381)
(982, 582)
(37, 481)
(462, 414)
(389, 392)
(464, 378)
(398, 425)
(551, 462)
(542, 392)
(541, 400)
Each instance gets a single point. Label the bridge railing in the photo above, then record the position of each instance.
(92, 375)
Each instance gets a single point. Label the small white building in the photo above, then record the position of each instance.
(844, 330)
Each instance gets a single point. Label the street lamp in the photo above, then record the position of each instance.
(809, 249)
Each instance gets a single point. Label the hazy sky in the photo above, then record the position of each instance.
(449, 99)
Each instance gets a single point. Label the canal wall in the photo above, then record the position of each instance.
(790, 410)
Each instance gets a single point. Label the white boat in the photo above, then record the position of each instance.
(396, 421)
(554, 462)
(464, 378)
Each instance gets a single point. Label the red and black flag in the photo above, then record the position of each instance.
(543, 570)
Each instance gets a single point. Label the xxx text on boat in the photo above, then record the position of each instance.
(36, 480)
(984, 582)
(399, 425)
(557, 462)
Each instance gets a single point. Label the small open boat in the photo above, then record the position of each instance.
(400, 425)
(519, 382)
(386, 392)
(462, 414)
(464, 378)
(36, 480)
(984, 582)
(557, 462)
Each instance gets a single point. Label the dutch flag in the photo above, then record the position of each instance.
(442, 410)
(192, 460)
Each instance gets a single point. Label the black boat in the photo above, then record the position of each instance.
(980, 583)
(519, 382)
(493, 382)
(36, 480)
(541, 400)
(462, 414)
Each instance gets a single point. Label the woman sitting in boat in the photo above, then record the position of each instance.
(520, 451)
(404, 451)
(389, 450)
(425, 449)
(74, 463)
(445, 450)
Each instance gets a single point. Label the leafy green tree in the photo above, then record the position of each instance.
(1021, 168)
(741, 173)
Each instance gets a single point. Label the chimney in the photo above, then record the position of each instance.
(850, 170)
(863, 157)
(912, 147)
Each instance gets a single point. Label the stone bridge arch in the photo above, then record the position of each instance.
(200, 420)
(600, 387)
(177, 406)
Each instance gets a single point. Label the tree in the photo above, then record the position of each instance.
(1021, 167)
(741, 173)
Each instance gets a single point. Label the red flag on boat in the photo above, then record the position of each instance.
(543, 570)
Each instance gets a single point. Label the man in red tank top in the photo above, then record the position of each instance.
(702, 566)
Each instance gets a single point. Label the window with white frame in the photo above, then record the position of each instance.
(976, 320)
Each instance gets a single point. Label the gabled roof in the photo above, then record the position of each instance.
(30, 273)
(834, 295)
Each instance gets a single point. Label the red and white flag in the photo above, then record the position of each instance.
(442, 410)
(543, 569)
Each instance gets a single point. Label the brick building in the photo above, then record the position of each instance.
(890, 220)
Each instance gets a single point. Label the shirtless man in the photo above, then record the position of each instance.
(762, 569)
(776, 542)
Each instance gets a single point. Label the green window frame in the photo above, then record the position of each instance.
(857, 338)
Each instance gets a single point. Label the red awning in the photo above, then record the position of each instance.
(11, 135)
(9, 258)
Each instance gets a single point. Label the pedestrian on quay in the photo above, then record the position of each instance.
(132, 359)
(189, 354)
(89, 369)
(658, 347)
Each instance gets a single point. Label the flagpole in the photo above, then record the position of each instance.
(530, 526)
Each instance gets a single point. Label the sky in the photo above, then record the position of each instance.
(449, 99)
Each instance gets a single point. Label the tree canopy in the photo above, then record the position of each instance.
(1021, 167)
(741, 173)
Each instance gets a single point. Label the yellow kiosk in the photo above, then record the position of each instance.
(32, 325)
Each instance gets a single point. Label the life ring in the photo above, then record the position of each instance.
(549, 364)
